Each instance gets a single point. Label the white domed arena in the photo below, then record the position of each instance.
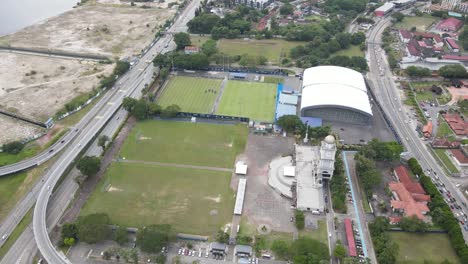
(335, 94)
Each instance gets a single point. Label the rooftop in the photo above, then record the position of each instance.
(450, 23)
(460, 156)
(309, 189)
(405, 179)
(406, 201)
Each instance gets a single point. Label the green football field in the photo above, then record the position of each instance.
(191, 200)
(191, 94)
(249, 99)
(418, 248)
(185, 143)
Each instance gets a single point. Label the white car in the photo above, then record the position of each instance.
(207, 254)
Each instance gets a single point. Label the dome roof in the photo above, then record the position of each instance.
(329, 139)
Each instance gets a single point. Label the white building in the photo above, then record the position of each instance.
(335, 94)
(258, 4)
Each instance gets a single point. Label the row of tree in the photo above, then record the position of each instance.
(304, 250)
(441, 214)
(93, 228)
(338, 187)
(142, 109)
(416, 71)
(386, 250)
(293, 124)
(381, 151)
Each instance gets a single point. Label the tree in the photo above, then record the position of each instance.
(102, 140)
(129, 103)
(89, 165)
(182, 39)
(340, 251)
(344, 39)
(14, 147)
(286, 9)
(121, 235)
(69, 230)
(415, 71)
(140, 110)
(222, 237)
(358, 38)
(154, 109)
(209, 47)
(289, 123)
(300, 219)
(160, 259)
(248, 61)
(413, 224)
(203, 24)
(452, 71)
(398, 16)
(69, 241)
(170, 111)
(152, 238)
(93, 228)
(280, 248)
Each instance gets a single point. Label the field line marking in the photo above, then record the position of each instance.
(177, 165)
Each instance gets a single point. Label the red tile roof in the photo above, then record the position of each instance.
(460, 156)
(452, 43)
(435, 37)
(455, 57)
(427, 129)
(443, 142)
(191, 48)
(458, 125)
(450, 23)
(404, 178)
(406, 34)
(350, 238)
(413, 47)
(407, 202)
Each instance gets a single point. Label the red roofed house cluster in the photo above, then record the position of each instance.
(457, 124)
(450, 24)
(410, 198)
(460, 157)
(418, 43)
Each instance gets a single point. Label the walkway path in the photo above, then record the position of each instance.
(175, 165)
(220, 94)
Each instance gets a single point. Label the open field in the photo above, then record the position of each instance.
(415, 248)
(192, 201)
(198, 40)
(13, 129)
(191, 94)
(443, 130)
(353, 50)
(185, 143)
(272, 49)
(421, 23)
(38, 87)
(248, 99)
(446, 160)
(113, 28)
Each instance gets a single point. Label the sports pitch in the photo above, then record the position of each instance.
(191, 94)
(191, 200)
(248, 99)
(185, 143)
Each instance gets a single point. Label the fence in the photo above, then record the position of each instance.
(215, 117)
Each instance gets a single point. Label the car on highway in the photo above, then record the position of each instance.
(4, 237)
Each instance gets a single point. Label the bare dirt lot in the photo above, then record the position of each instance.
(37, 87)
(15, 129)
(107, 27)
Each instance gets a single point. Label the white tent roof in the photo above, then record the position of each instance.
(241, 168)
(240, 197)
(335, 86)
(289, 171)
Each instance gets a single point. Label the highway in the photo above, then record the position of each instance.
(132, 84)
(383, 84)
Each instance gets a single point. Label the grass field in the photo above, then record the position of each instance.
(446, 160)
(421, 23)
(191, 94)
(415, 248)
(30, 150)
(198, 40)
(444, 130)
(353, 50)
(192, 201)
(272, 49)
(248, 99)
(185, 143)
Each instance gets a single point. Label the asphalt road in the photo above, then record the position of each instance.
(134, 83)
(386, 92)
